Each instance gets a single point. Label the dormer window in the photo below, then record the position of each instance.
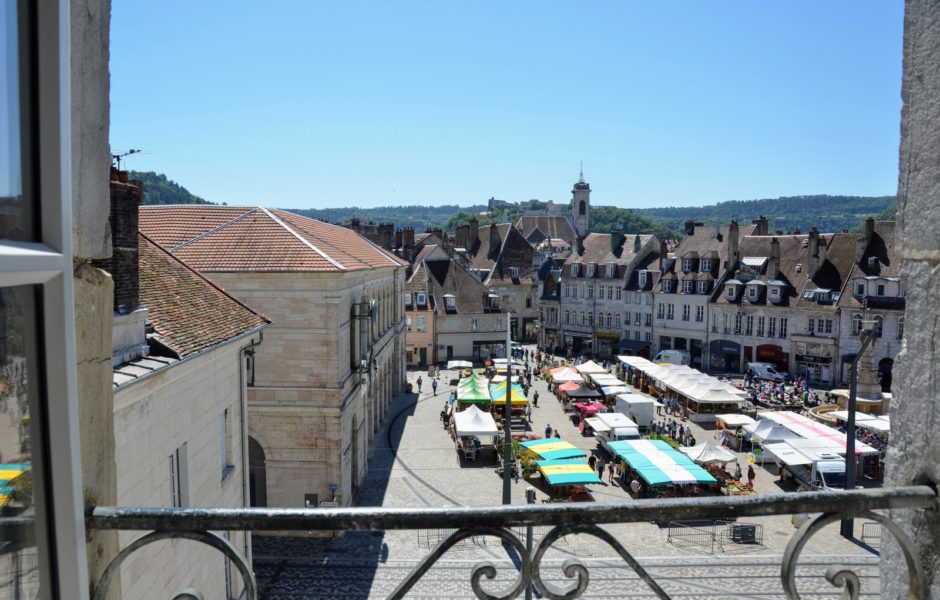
(575, 269)
(450, 302)
(611, 270)
(422, 298)
(687, 287)
(799, 267)
(731, 292)
(590, 270)
(667, 285)
(407, 299)
(752, 293)
(881, 289)
(702, 287)
(514, 272)
(706, 265)
(859, 289)
(775, 292)
(643, 275)
(872, 261)
(688, 264)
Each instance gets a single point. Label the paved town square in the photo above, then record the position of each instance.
(415, 464)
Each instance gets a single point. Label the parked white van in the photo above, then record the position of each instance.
(763, 370)
(675, 357)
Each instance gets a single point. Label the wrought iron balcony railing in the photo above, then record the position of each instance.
(502, 522)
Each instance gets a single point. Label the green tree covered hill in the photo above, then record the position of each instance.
(158, 189)
(419, 217)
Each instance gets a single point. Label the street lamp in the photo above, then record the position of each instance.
(867, 336)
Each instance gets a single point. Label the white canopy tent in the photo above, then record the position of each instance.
(876, 423)
(590, 367)
(707, 452)
(734, 420)
(473, 421)
(567, 374)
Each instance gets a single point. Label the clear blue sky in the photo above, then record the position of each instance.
(324, 104)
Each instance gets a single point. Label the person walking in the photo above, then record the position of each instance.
(635, 488)
(737, 472)
(535, 399)
(419, 384)
(434, 387)
(600, 468)
(751, 476)
(548, 431)
(610, 471)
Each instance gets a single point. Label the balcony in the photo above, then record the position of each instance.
(506, 525)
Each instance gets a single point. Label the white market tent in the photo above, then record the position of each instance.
(459, 364)
(765, 432)
(473, 421)
(876, 423)
(707, 452)
(736, 420)
(614, 390)
(567, 374)
(807, 428)
(589, 368)
(504, 362)
(606, 379)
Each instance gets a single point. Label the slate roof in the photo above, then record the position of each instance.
(229, 239)
(552, 226)
(596, 249)
(497, 255)
(187, 311)
(441, 277)
(887, 263)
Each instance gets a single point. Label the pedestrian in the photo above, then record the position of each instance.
(535, 399)
(548, 431)
(610, 471)
(419, 384)
(751, 476)
(635, 488)
(600, 468)
(737, 472)
(528, 413)
(434, 387)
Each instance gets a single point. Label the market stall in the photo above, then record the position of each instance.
(583, 393)
(731, 431)
(709, 453)
(550, 449)
(663, 470)
(568, 386)
(567, 374)
(590, 367)
(567, 478)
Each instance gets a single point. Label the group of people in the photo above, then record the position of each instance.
(796, 395)
(600, 465)
(675, 430)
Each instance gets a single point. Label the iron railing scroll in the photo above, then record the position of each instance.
(506, 523)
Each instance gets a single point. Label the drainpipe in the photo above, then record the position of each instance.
(245, 351)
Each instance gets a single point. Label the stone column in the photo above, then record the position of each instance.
(914, 452)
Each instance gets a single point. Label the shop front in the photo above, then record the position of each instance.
(725, 356)
(579, 343)
(774, 354)
(489, 349)
(607, 344)
(814, 361)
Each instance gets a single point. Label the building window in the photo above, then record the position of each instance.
(574, 269)
(811, 328)
(450, 303)
(730, 291)
(775, 292)
(474, 325)
(685, 312)
(514, 272)
(619, 292)
(749, 325)
(628, 318)
(760, 326)
(649, 336)
(179, 478)
(636, 335)
(649, 320)
(567, 318)
(783, 327)
(421, 323)
(407, 296)
(881, 289)
(856, 324)
(700, 313)
(610, 320)
(687, 264)
(225, 430)
(670, 311)
(752, 292)
(422, 298)
(859, 289)
(528, 301)
(737, 324)
(499, 323)
(688, 287)
(825, 325)
(617, 321)
(878, 326)
(590, 317)
(636, 318)
(250, 369)
(772, 327)
(642, 279)
(900, 334)
(702, 287)
(590, 291)
(660, 310)
(408, 323)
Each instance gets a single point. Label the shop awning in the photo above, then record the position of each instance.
(567, 472)
(657, 463)
(552, 448)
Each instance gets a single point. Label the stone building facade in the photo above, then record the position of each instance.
(333, 357)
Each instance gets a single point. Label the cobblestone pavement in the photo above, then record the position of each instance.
(414, 464)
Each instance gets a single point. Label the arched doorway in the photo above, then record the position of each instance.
(885, 365)
(257, 474)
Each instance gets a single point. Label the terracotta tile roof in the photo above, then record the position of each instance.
(226, 238)
(188, 312)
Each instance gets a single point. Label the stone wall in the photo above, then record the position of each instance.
(914, 454)
(183, 403)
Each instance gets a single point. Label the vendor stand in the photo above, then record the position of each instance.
(550, 449)
(664, 471)
(730, 428)
(470, 428)
(567, 478)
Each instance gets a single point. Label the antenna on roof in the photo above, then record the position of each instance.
(581, 178)
(116, 158)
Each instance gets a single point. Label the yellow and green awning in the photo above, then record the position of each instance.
(516, 397)
(552, 448)
(567, 472)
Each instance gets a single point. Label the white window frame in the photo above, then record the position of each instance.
(421, 299)
(48, 265)
(688, 287)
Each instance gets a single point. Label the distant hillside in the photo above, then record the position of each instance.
(419, 217)
(160, 190)
(828, 213)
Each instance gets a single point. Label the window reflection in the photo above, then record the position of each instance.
(16, 215)
(19, 570)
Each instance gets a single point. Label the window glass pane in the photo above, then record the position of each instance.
(19, 565)
(16, 206)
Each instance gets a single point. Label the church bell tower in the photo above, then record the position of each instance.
(581, 206)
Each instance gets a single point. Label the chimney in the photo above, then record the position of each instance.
(354, 224)
(773, 264)
(124, 264)
(812, 252)
(636, 244)
(398, 239)
(494, 241)
(690, 227)
(862, 243)
(733, 253)
(663, 248)
(869, 228)
(408, 243)
(385, 234)
(462, 236)
(763, 226)
(474, 233)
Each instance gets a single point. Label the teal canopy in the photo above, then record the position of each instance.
(567, 472)
(657, 463)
